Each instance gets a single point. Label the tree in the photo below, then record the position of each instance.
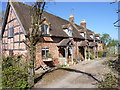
(34, 37)
(1, 21)
(112, 43)
(1, 17)
(105, 38)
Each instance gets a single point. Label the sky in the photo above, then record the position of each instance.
(99, 16)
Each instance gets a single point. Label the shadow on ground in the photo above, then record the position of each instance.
(67, 69)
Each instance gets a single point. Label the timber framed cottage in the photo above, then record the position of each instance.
(62, 40)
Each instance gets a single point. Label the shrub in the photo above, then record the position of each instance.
(14, 73)
(75, 60)
(91, 57)
(111, 81)
(49, 55)
(100, 53)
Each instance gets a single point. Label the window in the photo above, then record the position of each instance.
(82, 34)
(10, 32)
(45, 51)
(45, 29)
(68, 32)
(98, 37)
(10, 52)
(91, 36)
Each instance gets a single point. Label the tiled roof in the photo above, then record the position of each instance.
(65, 42)
(92, 44)
(24, 13)
(83, 43)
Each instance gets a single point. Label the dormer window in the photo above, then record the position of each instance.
(82, 34)
(45, 29)
(69, 32)
(10, 32)
(98, 37)
(91, 36)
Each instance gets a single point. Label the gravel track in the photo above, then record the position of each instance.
(86, 74)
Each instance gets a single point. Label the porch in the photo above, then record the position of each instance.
(66, 51)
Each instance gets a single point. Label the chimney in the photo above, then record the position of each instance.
(83, 23)
(71, 18)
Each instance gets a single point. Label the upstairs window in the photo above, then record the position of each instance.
(69, 32)
(10, 32)
(98, 37)
(82, 34)
(91, 36)
(45, 51)
(45, 29)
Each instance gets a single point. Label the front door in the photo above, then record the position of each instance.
(81, 53)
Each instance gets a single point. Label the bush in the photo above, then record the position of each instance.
(75, 60)
(100, 53)
(49, 55)
(111, 81)
(14, 73)
(91, 57)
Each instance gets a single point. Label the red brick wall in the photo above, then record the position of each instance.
(53, 49)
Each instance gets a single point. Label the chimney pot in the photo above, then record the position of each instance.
(71, 18)
(83, 23)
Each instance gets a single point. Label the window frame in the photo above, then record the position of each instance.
(44, 29)
(69, 32)
(11, 32)
(82, 34)
(46, 50)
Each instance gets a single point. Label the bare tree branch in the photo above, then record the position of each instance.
(26, 43)
(42, 10)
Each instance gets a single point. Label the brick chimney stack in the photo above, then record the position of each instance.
(71, 18)
(83, 23)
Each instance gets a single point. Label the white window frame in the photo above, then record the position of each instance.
(46, 31)
(46, 49)
(10, 32)
(69, 32)
(82, 34)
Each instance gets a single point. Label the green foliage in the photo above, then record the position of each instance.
(114, 65)
(91, 56)
(105, 38)
(87, 50)
(63, 65)
(49, 55)
(100, 53)
(14, 73)
(111, 81)
(75, 60)
(112, 43)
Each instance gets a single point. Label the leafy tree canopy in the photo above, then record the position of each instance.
(105, 38)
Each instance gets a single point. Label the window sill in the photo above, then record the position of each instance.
(47, 59)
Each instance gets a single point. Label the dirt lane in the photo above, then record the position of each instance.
(86, 74)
